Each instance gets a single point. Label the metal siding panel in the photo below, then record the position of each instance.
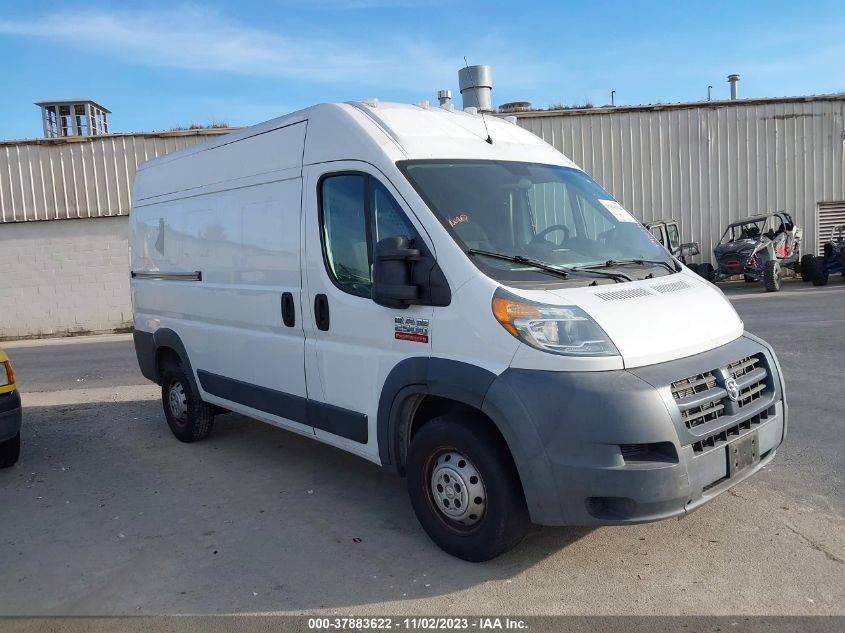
(709, 165)
(76, 178)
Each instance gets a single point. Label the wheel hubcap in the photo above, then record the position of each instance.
(178, 402)
(457, 489)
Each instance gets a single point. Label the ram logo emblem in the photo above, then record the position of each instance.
(732, 388)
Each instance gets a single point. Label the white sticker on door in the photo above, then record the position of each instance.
(618, 211)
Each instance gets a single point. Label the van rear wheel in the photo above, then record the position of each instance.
(187, 415)
(465, 489)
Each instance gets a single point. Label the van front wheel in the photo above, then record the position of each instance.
(465, 489)
(187, 415)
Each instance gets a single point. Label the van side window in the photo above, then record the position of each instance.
(357, 211)
(344, 229)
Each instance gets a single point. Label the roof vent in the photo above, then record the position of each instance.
(476, 83)
(733, 80)
(444, 97)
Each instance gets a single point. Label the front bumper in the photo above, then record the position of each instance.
(616, 447)
(10, 415)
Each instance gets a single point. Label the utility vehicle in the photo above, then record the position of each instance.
(833, 259)
(759, 248)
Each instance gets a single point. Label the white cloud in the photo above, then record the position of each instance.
(201, 40)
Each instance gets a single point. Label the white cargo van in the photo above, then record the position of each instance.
(452, 298)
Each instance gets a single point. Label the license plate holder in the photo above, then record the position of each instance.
(743, 453)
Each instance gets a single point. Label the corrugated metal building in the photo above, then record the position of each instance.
(64, 223)
(708, 163)
(82, 176)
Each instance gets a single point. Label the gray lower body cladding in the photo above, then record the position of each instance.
(616, 447)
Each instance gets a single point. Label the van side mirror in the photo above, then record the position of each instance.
(393, 258)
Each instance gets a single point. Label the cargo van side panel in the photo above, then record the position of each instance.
(241, 236)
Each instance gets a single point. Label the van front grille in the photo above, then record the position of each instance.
(722, 437)
(699, 398)
(750, 377)
(704, 397)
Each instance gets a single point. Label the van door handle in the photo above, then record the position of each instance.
(321, 312)
(288, 311)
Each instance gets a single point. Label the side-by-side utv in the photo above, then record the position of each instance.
(833, 259)
(759, 248)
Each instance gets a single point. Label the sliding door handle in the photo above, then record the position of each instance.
(288, 311)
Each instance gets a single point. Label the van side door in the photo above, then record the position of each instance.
(352, 343)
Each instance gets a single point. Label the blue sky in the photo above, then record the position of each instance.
(158, 64)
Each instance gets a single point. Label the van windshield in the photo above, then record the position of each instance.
(556, 215)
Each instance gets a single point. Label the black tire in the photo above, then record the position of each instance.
(806, 267)
(503, 520)
(693, 267)
(193, 419)
(771, 275)
(707, 271)
(10, 451)
(818, 272)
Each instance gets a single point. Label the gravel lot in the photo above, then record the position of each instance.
(108, 514)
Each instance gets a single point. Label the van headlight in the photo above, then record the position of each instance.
(566, 330)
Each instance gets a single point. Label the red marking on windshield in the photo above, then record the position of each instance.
(463, 217)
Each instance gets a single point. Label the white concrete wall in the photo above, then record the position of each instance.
(64, 277)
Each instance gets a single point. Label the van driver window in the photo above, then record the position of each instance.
(390, 220)
(344, 227)
(345, 232)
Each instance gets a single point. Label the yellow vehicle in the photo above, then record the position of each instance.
(10, 414)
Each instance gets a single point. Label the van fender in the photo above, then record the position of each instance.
(147, 346)
(479, 389)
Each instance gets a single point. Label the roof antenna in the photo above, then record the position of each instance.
(489, 138)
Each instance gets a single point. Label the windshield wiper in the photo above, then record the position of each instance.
(622, 262)
(536, 263)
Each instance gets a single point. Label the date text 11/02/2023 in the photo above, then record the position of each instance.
(416, 623)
